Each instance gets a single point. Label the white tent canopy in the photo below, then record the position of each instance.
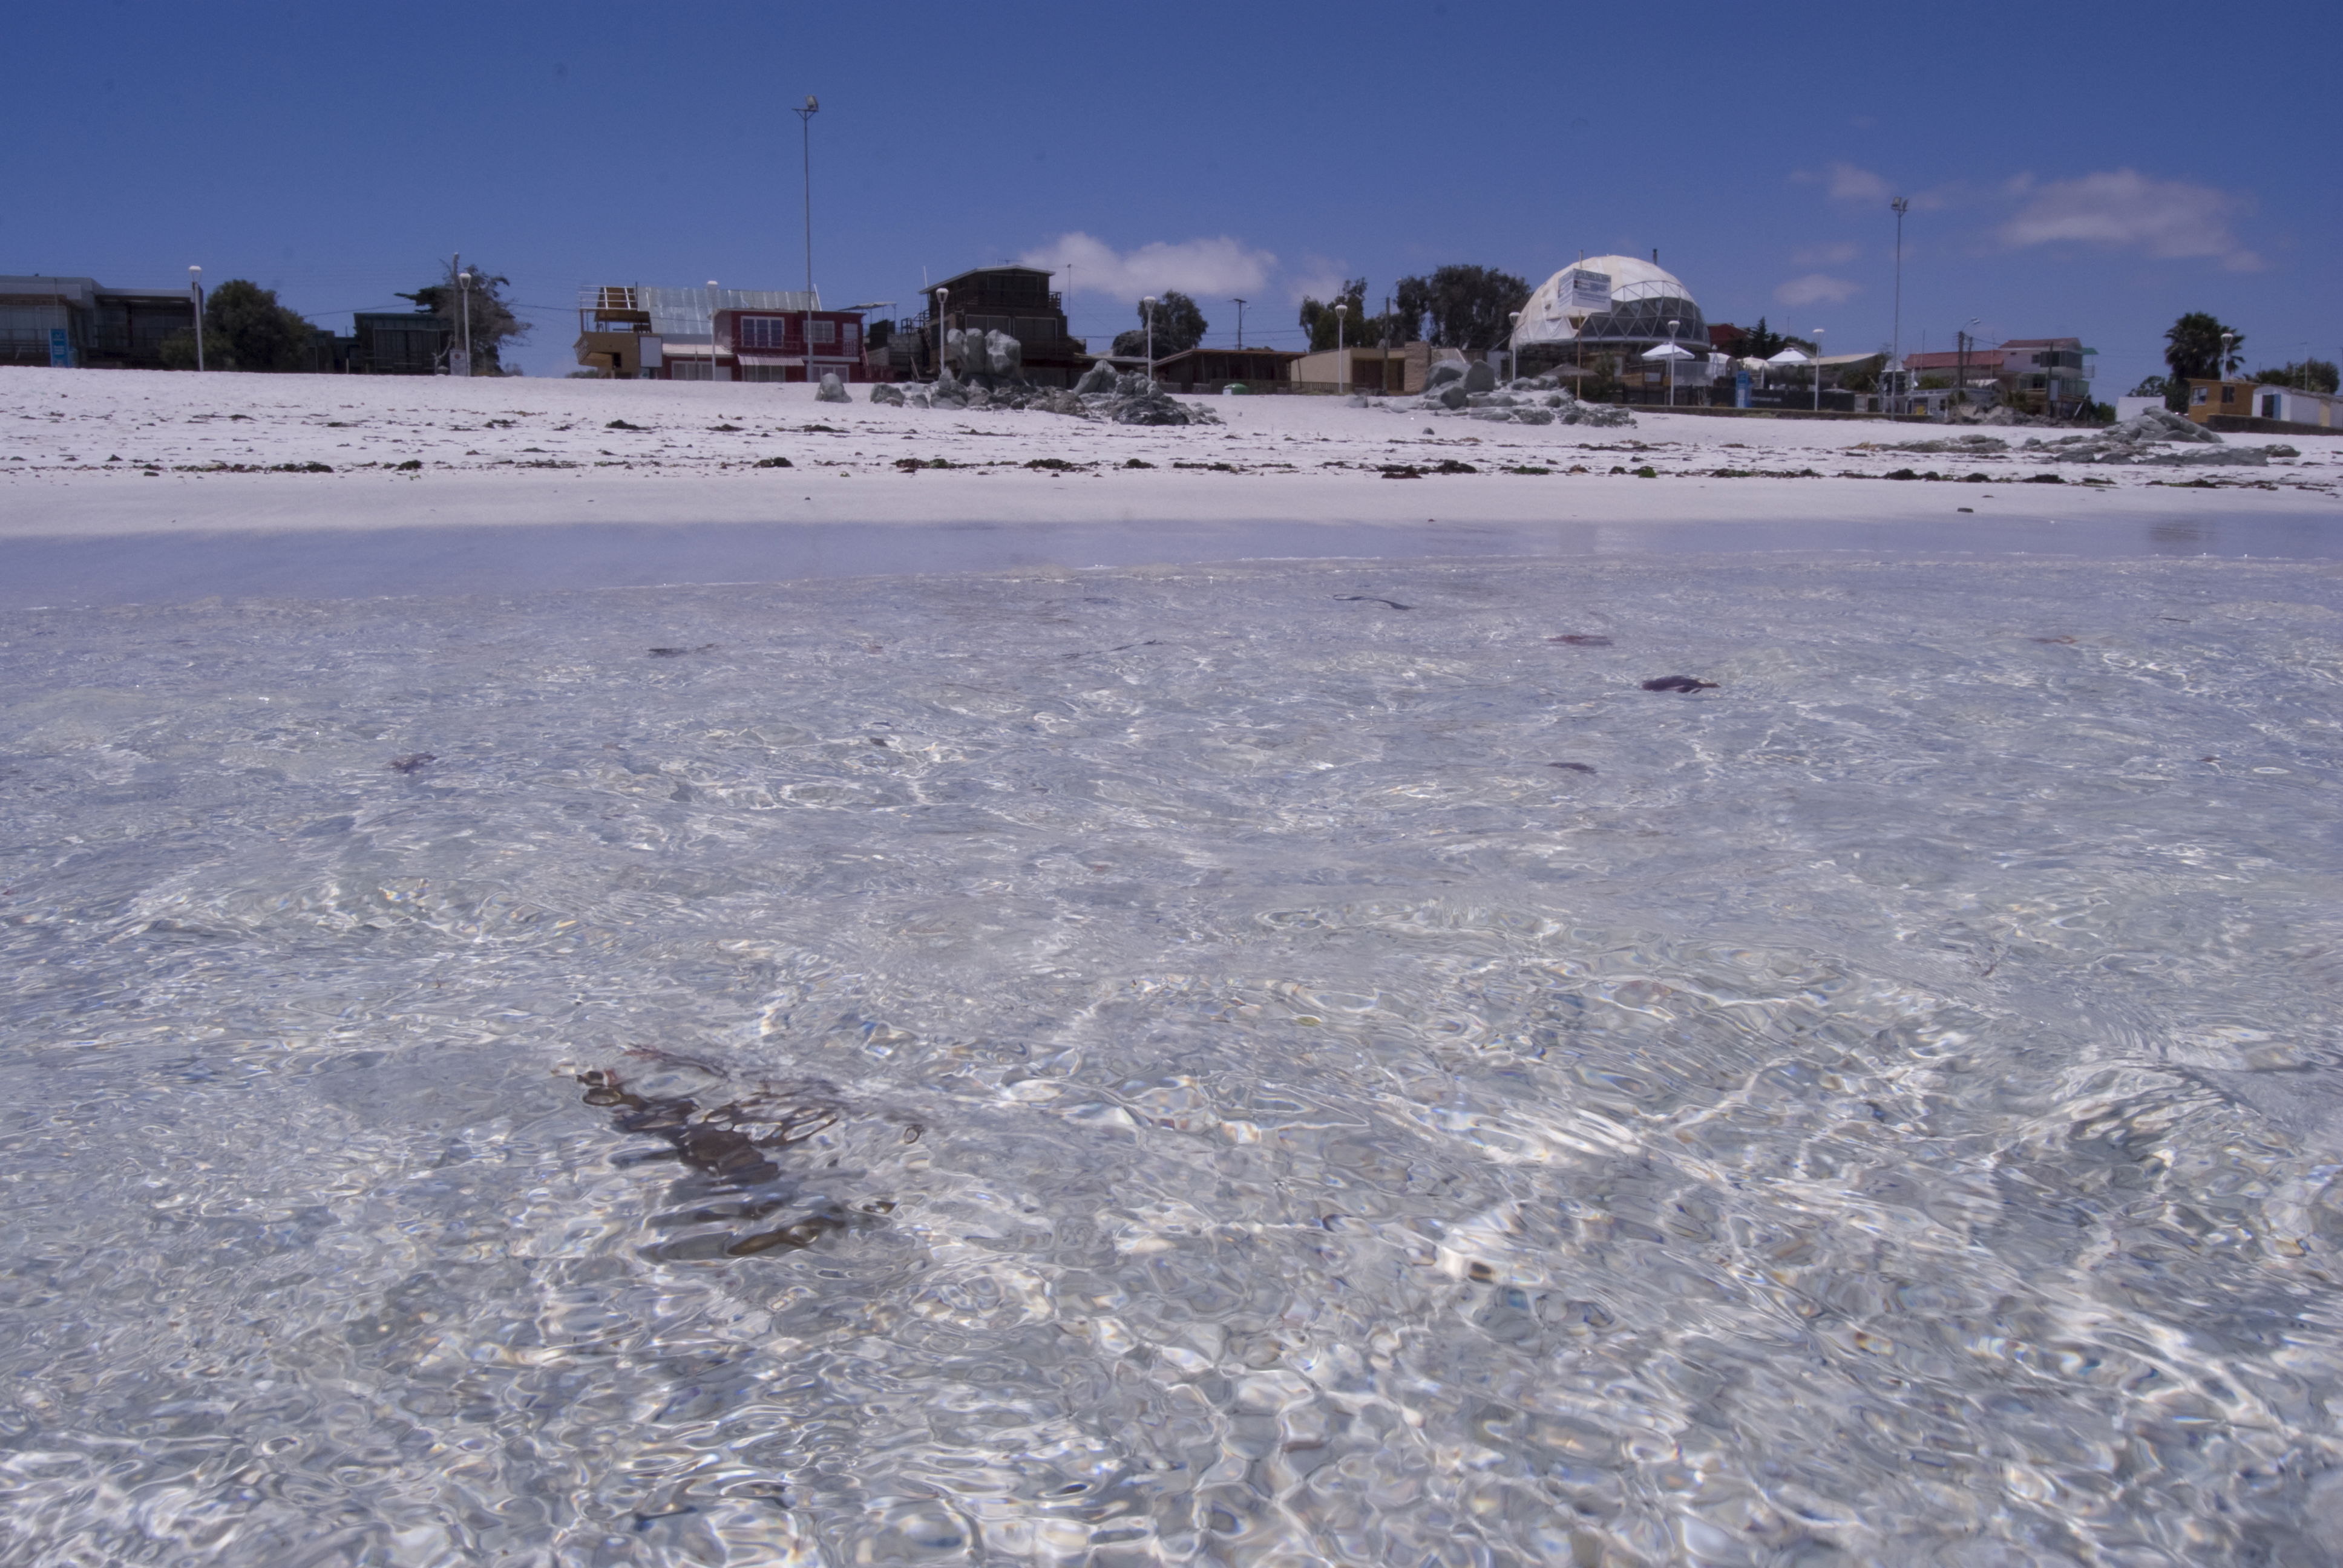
(1669, 351)
(1789, 357)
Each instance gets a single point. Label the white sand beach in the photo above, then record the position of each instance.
(89, 457)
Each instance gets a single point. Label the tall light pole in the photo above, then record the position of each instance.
(1899, 207)
(805, 126)
(943, 296)
(713, 373)
(1342, 355)
(464, 293)
(2221, 365)
(1514, 349)
(196, 289)
(1818, 370)
(1148, 305)
(1241, 305)
(1673, 328)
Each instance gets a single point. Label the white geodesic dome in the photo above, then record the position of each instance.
(1644, 298)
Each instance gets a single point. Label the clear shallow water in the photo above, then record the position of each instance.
(1206, 1087)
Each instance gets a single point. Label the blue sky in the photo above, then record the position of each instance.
(2089, 170)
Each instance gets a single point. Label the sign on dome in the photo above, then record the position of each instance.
(1586, 291)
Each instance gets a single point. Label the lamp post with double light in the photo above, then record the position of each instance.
(195, 290)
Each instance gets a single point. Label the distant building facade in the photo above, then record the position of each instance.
(1012, 300)
(1195, 370)
(2033, 375)
(634, 331)
(397, 343)
(80, 321)
(2251, 405)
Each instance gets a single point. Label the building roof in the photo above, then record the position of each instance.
(81, 291)
(1164, 359)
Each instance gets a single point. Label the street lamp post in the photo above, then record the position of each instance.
(713, 373)
(1818, 369)
(804, 124)
(1673, 328)
(2221, 365)
(464, 293)
(1240, 305)
(1148, 305)
(943, 296)
(195, 288)
(1514, 349)
(1341, 355)
(1900, 206)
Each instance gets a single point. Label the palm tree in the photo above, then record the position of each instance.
(2193, 348)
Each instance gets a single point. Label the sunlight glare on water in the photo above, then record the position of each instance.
(1274, 1065)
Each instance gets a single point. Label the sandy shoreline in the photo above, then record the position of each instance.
(526, 480)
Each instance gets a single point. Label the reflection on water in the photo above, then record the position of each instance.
(1180, 1066)
(2191, 538)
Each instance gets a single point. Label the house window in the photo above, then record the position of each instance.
(825, 332)
(2229, 394)
(2198, 396)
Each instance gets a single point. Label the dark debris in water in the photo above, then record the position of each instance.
(679, 652)
(1678, 683)
(413, 762)
(1581, 640)
(1573, 767)
(1370, 598)
(737, 1196)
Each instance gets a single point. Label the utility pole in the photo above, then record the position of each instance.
(1900, 206)
(1240, 305)
(196, 289)
(804, 124)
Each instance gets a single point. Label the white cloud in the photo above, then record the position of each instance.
(1826, 256)
(1202, 267)
(2125, 208)
(1814, 289)
(1848, 182)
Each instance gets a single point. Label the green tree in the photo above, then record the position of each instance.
(1180, 325)
(2192, 349)
(493, 323)
(1461, 306)
(245, 330)
(1357, 329)
(2150, 387)
(2307, 375)
(1758, 342)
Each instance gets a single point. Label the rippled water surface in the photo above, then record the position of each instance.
(1180, 1066)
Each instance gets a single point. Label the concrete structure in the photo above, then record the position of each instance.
(1211, 370)
(2251, 405)
(1012, 300)
(80, 321)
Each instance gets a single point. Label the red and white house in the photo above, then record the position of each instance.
(771, 344)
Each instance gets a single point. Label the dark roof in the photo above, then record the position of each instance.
(1164, 359)
(989, 271)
